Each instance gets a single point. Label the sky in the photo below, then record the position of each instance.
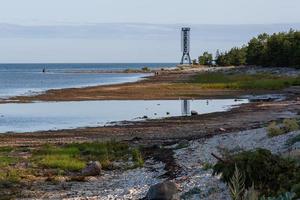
(41, 30)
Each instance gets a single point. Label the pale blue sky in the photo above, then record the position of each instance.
(150, 11)
(81, 30)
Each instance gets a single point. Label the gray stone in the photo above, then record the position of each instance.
(92, 169)
(163, 191)
(193, 112)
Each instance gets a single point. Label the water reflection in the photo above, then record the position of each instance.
(185, 107)
(39, 116)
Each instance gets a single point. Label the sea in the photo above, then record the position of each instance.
(29, 79)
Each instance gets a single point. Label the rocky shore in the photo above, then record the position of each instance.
(194, 180)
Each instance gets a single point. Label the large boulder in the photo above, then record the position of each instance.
(163, 191)
(92, 169)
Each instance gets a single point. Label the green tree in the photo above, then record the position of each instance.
(205, 59)
(236, 56)
(256, 50)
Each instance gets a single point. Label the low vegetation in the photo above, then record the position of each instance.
(146, 69)
(218, 80)
(73, 157)
(288, 125)
(268, 174)
(52, 160)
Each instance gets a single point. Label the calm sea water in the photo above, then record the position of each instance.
(39, 116)
(26, 79)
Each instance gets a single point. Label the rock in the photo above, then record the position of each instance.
(222, 129)
(163, 191)
(194, 112)
(90, 179)
(92, 169)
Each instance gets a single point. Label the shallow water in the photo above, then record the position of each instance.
(27, 79)
(39, 116)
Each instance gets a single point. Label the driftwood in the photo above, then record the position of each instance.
(218, 158)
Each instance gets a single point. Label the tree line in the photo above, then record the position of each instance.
(276, 50)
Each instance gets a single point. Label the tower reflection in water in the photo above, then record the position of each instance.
(185, 107)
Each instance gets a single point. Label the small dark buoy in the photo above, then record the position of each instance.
(44, 70)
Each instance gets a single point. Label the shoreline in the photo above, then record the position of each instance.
(33, 93)
(168, 84)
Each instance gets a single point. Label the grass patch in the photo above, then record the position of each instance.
(137, 158)
(73, 157)
(10, 175)
(218, 80)
(6, 149)
(63, 162)
(288, 125)
(274, 130)
(7, 160)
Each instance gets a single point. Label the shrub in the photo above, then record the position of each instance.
(237, 185)
(290, 125)
(271, 174)
(285, 196)
(274, 130)
(137, 158)
(145, 69)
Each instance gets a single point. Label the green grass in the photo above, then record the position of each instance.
(7, 160)
(288, 125)
(218, 80)
(274, 130)
(10, 175)
(73, 157)
(137, 158)
(63, 162)
(6, 149)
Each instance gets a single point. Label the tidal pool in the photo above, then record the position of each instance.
(41, 116)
